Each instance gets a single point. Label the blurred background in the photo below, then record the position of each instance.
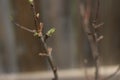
(19, 49)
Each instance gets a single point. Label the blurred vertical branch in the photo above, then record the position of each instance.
(91, 32)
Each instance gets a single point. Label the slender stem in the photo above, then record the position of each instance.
(24, 28)
(96, 36)
(92, 38)
(97, 68)
(97, 10)
(34, 15)
(50, 60)
(49, 57)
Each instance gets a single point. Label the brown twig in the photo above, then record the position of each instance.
(24, 28)
(94, 37)
(47, 54)
(38, 32)
(49, 57)
(34, 14)
(50, 60)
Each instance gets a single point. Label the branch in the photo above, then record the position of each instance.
(24, 28)
(49, 58)
(43, 39)
(93, 38)
(34, 13)
(48, 53)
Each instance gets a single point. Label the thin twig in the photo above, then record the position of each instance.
(49, 57)
(34, 14)
(94, 36)
(50, 60)
(94, 39)
(97, 68)
(47, 54)
(97, 10)
(25, 28)
(96, 59)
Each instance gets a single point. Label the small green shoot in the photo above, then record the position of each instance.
(51, 32)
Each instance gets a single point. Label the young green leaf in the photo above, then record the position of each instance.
(50, 32)
(35, 34)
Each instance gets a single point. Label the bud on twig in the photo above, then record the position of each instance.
(41, 25)
(50, 32)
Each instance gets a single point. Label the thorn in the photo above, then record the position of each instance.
(100, 38)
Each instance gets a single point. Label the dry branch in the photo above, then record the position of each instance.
(39, 31)
(93, 36)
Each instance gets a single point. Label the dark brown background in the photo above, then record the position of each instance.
(70, 45)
